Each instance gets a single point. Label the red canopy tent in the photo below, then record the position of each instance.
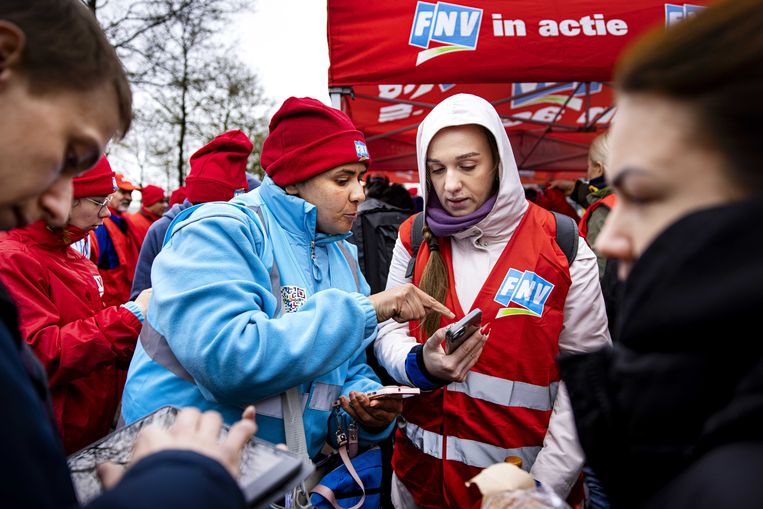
(544, 65)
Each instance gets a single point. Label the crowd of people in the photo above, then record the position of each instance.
(246, 305)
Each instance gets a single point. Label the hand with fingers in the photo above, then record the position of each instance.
(193, 431)
(455, 365)
(373, 414)
(405, 303)
(143, 299)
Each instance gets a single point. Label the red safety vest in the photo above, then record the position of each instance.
(117, 282)
(608, 201)
(449, 435)
(142, 221)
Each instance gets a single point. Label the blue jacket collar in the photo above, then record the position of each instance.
(294, 214)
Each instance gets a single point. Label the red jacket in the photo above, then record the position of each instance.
(85, 348)
(142, 221)
(117, 280)
(608, 201)
(503, 408)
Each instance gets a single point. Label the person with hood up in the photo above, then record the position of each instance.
(115, 245)
(85, 347)
(262, 295)
(485, 247)
(153, 204)
(218, 173)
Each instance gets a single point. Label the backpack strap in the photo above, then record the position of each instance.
(417, 237)
(566, 236)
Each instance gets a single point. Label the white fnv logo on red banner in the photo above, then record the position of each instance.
(457, 28)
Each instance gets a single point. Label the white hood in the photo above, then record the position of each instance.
(464, 109)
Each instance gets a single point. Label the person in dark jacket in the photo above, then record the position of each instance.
(218, 173)
(59, 106)
(672, 415)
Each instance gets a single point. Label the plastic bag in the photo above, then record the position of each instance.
(535, 498)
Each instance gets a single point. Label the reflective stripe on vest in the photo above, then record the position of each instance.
(159, 351)
(506, 392)
(469, 452)
(323, 397)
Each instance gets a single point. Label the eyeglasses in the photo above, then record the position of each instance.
(100, 204)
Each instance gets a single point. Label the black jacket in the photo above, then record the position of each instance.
(33, 470)
(675, 407)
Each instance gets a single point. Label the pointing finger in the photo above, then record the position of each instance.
(431, 304)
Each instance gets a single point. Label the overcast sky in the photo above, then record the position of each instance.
(285, 42)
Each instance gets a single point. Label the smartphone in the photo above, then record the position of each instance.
(266, 472)
(389, 391)
(394, 391)
(462, 329)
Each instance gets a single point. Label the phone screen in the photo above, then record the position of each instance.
(461, 330)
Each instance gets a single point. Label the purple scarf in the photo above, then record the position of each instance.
(443, 224)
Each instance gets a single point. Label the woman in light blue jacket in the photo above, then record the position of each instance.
(263, 294)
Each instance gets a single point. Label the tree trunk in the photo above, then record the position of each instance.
(183, 120)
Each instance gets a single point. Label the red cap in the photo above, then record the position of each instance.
(125, 184)
(177, 196)
(307, 138)
(97, 181)
(151, 194)
(218, 169)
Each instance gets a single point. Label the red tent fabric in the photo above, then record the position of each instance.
(392, 61)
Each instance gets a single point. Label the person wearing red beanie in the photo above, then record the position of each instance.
(114, 246)
(179, 195)
(283, 301)
(153, 205)
(218, 173)
(84, 346)
(218, 169)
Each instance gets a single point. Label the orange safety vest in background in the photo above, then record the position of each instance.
(608, 201)
(449, 435)
(142, 221)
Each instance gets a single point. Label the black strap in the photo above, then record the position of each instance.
(417, 237)
(567, 236)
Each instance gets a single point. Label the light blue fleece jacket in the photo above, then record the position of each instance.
(213, 303)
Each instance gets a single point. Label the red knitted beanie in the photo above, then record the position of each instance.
(218, 169)
(151, 194)
(178, 196)
(98, 181)
(307, 138)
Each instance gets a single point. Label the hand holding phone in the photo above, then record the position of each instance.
(376, 409)
(462, 330)
(394, 391)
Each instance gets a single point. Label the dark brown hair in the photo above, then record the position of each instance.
(713, 63)
(434, 279)
(67, 49)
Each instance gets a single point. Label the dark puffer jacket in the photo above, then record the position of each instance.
(672, 416)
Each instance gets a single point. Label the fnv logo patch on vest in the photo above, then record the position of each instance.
(525, 289)
(292, 298)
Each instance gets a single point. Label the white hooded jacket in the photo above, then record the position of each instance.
(475, 252)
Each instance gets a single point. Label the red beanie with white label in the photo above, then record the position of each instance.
(308, 138)
(97, 181)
